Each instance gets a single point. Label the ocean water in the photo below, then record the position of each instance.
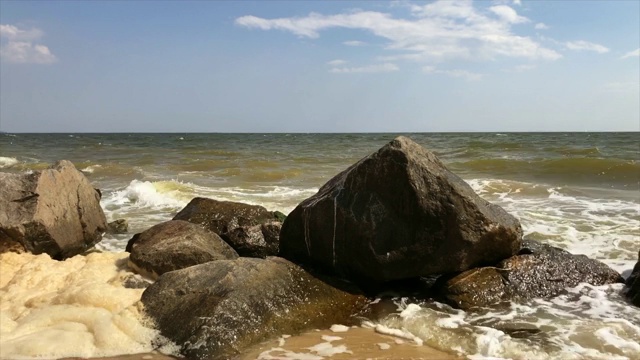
(578, 191)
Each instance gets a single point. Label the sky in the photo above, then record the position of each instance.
(312, 66)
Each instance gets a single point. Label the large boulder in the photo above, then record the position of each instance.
(218, 309)
(633, 284)
(249, 229)
(538, 271)
(175, 245)
(54, 211)
(397, 214)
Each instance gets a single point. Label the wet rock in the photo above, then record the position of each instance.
(119, 226)
(217, 309)
(249, 229)
(633, 284)
(174, 245)
(256, 241)
(54, 211)
(397, 214)
(135, 281)
(538, 271)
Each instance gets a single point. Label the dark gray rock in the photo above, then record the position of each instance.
(119, 226)
(397, 214)
(633, 284)
(218, 309)
(174, 245)
(249, 229)
(538, 271)
(54, 211)
(256, 241)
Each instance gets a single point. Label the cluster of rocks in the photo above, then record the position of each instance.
(229, 275)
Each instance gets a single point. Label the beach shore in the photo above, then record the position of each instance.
(355, 343)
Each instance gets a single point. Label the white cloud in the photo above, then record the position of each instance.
(522, 68)
(437, 31)
(508, 14)
(20, 47)
(634, 53)
(541, 26)
(517, 2)
(379, 68)
(456, 73)
(14, 33)
(582, 45)
(354, 43)
(336, 62)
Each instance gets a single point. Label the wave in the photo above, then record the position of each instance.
(7, 162)
(592, 322)
(598, 170)
(601, 227)
(159, 194)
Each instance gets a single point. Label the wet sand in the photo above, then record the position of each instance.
(355, 343)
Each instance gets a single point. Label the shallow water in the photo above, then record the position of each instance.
(578, 191)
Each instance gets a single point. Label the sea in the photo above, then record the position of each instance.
(577, 191)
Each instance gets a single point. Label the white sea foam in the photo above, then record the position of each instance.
(339, 328)
(592, 322)
(327, 349)
(159, 194)
(72, 308)
(7, 162)
(91, 168)
(602, 228)
(282, 354)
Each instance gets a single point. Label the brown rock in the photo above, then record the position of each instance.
(538, 271)
(397, 214)
(249, 229)
(54, 211)
(633, 284)
(218, 309)
(119, 226)
(175, 245)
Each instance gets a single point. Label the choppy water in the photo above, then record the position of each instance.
(578, 191)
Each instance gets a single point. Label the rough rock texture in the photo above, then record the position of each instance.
(217, 309)
(175, 245)
(54, 211)
(256, 241)
(396, 214)
(119, 226)
(236, 224)
(538, 271)
(633, 284)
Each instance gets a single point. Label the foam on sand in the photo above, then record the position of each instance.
(77, 307)
(355, 343)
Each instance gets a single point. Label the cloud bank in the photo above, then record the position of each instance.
(18, 46)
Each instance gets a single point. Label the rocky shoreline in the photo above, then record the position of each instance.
(229, 276)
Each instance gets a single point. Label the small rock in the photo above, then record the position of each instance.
(119, 226)
(539, 271)
(251, 230)
(175, 245)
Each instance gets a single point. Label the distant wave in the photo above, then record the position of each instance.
(7, 162)
(570, 169)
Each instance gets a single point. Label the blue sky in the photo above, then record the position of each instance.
(306, 66)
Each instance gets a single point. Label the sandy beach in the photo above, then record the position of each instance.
(354, 343)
